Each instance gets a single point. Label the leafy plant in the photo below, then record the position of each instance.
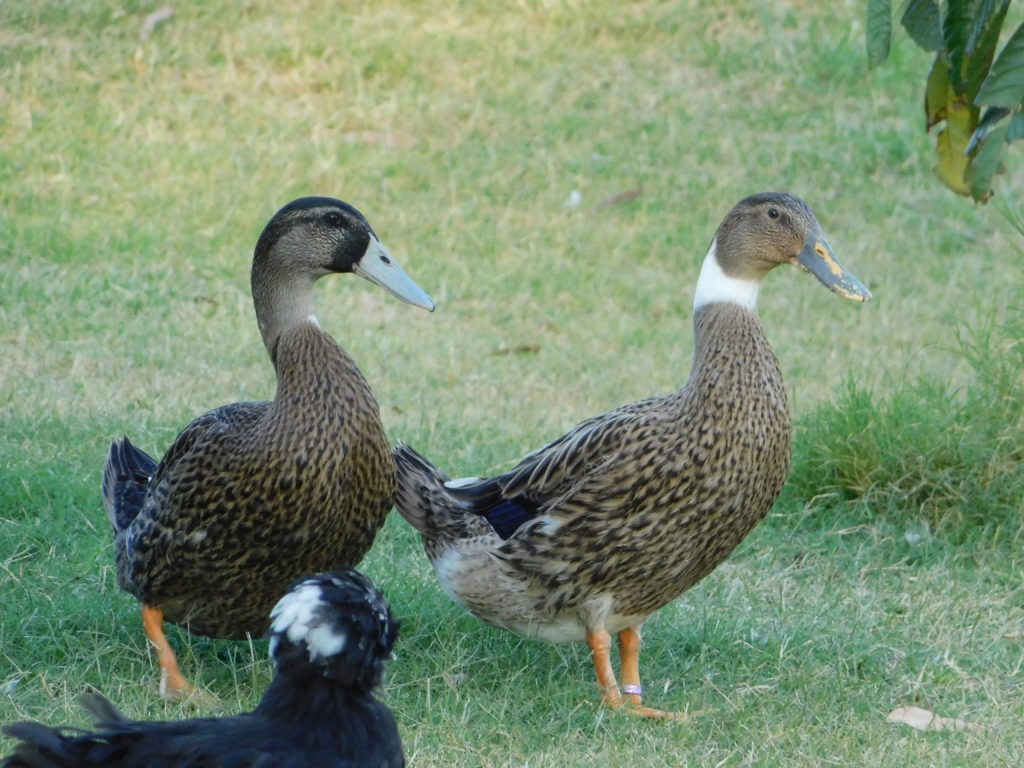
(953, 458)
(978, 95)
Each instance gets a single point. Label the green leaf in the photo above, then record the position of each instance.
(982, 18)
(937, 92)
(986, 162)
(956, 31)
(981, 44)
(878, 31)
(992, 117)
(1004, 86)
(921, 20)
(1016, 129)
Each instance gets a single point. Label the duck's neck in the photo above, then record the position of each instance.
(714, 286)
(310, 365)
(734, 367)
(316, 376)
(283, 304)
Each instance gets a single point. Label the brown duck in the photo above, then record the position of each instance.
(597, 530)
(253, 495)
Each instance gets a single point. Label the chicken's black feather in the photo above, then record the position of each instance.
(329, 639)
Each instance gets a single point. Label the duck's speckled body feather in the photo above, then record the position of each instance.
(633, 507)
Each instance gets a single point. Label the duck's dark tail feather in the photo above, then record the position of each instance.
(419, 485)
(428, 505)
(125, 480)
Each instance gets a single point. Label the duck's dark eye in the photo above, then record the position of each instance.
(334, 218)
(773, 213)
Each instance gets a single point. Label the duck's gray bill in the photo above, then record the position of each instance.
(380, 268)
(818, 259)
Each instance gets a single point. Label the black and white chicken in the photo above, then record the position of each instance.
(329, 639)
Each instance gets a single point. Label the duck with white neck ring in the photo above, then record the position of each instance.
(595, 531)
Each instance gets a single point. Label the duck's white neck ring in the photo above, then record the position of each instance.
(714, 285)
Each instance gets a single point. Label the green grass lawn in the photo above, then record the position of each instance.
(136, 174)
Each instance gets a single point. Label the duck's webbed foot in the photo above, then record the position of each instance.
(630, 697)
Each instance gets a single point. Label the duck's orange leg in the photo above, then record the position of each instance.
(629, 656)
(173, 684)
(600, 643)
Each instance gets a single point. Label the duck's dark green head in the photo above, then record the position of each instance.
(772, 228)
(313, 236)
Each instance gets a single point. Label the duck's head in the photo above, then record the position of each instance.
(335, 624)
(314, 236)
(760, 233)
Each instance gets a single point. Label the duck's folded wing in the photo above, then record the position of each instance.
(547, 475)
(550, 471)
(199, 451)
(219, 421)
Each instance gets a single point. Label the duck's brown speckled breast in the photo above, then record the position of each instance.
(263, 493)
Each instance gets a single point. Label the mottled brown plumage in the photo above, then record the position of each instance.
(597, 530)
(253, 495)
